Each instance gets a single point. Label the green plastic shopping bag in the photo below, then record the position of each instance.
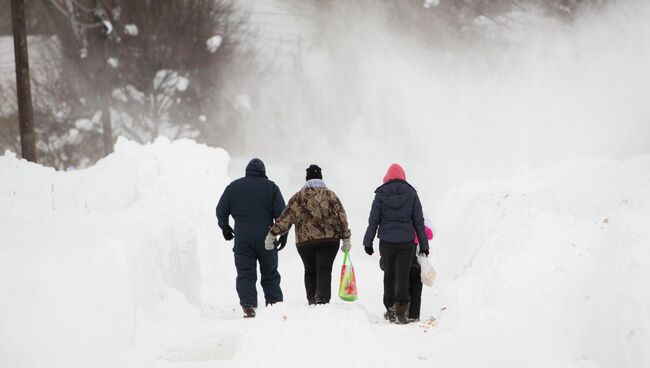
(348, 285)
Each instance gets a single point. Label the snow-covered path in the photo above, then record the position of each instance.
(295, 335)
(121, 265)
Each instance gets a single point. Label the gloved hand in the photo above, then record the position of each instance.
(269, 242)
(369, 250)
(425, 252)
(346, 245)
(282, 241)
(228, 233)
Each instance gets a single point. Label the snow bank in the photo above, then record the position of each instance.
(121, 265)
(86, 255)
(549, 267)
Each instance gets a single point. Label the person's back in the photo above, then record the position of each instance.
(397, 214)
(321, 223)
(397, 201)
(254, 202)
(318, 216)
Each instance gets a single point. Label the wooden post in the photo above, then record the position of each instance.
(23, 87)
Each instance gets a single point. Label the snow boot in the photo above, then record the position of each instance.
(400, 314)
(249, 312)
(390, 315)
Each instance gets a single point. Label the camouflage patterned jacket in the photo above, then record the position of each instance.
(317, 213)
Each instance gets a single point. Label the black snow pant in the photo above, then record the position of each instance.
(398, 258)
(318, 259)
(247, 254)
(415, 290)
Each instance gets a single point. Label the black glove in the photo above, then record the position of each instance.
(228, 233)
(280, 243)
(369, 250)
(425, 252)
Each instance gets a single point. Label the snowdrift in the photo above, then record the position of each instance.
(84, 254)
(549, 267)
(122, 265)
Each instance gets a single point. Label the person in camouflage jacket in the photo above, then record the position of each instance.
(317, 213)
(321, 223)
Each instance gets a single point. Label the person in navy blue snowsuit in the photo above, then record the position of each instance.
(254, 202)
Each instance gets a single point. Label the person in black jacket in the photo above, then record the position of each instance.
(397, 214)
(254, 202)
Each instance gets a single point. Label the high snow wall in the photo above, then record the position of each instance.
(84, 255)
(122, 265)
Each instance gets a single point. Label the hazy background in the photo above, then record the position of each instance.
(521, 85)
(450, 89)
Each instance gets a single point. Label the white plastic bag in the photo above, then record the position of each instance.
(427, 273)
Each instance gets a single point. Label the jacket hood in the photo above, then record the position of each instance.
(394, 172)
(395, 193)
(256, 167)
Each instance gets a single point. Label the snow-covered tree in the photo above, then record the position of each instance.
(153, 68)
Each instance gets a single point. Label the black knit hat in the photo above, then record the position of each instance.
(314, 172)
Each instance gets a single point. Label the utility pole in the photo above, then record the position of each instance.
(23, 87)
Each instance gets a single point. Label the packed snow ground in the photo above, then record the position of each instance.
(122, 265)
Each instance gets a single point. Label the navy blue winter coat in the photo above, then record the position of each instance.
(397, 212)
(253, 201)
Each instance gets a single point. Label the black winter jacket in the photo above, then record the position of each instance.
(253, 201)
(397, 212)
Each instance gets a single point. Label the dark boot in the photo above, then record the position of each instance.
(249, 312)
(390, 315)
(400, 314)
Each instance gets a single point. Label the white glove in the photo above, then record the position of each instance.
(268, 242)
(346, 245)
